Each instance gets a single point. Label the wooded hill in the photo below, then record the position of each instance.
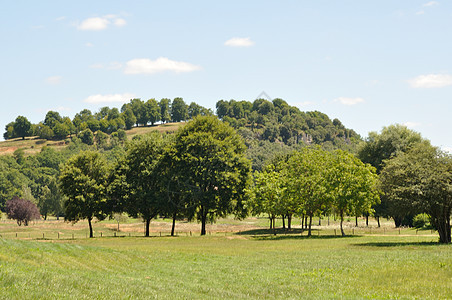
(267, 126)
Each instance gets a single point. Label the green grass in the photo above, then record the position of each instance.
(233, 267)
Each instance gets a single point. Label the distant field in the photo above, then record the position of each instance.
(248, 263)
(32, 145)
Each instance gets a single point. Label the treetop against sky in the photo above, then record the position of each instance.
(368, 63)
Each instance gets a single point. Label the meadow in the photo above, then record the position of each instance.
(248, 263)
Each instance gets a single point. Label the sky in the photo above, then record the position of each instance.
(368, 63)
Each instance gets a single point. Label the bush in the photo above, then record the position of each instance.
(22, 210)
(421, 220)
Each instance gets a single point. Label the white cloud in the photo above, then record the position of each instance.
(421, 12)
(411, 124)
(431, 81)
(239, 42)
(349, 101)
(53, 80)
(101, 23)
(161, 64)
(94, 24)
(431, 3)
(89, 45)
(62, 18)
(113, 98)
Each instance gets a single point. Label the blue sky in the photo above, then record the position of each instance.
(368, 63)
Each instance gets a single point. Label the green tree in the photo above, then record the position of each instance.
(83, 181)
(137, 182)
(9, 131)
(179, 110)
(22, 127)
(354, 185)
(422, 178)
(153, 111)
(308, 183)
(129, 118)
(212, 160)
(165, 111)
(268, 195)
(377, 148)
(52, 118)
(86, 136)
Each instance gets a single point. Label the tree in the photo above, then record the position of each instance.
(152, 111)
(268, 195)
(211, 158)
(52, 118)
(179, 110)
(354, 185)
(86, 136)
(129, 118)
(9, 131)
(83, 181)
(308, 184)
(392, 140)
(422, 178)
(137, 182)
(21, 210)
(22, 127)
(165, 111)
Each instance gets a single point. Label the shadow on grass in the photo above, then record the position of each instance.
(397, 244)
(281, 234)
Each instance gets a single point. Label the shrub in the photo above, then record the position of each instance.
(421, 220)
(21, 210)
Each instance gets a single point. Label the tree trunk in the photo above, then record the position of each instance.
(203, 221)
(356, 221)
(328, 220)
(274, 225)
(118, 226)
(367, 220)
(444, 230)
(306, 222)
(302, 222)
(342, 221)
(320, 221)
(271, 221)
(174, 223)
(45, 217)
(378, 221)
(310, 223)
(90, 228)
(289, 221)
(283, 222)
(148, 223)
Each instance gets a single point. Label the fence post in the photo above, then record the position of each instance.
(58, 235)
(160, 233)
(399, 230)
(43, 235)
(115, 233)
(334, 232)
(190, 232)
(353, 231)
(72, 236)
(101, 234)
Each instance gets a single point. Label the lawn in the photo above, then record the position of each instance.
(229, 266)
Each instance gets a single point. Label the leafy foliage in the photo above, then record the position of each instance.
(21, 210)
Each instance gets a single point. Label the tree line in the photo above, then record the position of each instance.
(107, 120)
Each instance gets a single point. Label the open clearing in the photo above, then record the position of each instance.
(248, 264)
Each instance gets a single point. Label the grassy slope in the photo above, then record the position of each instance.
(233, 266)
(32, 145)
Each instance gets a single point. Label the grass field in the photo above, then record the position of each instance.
(250, 264)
